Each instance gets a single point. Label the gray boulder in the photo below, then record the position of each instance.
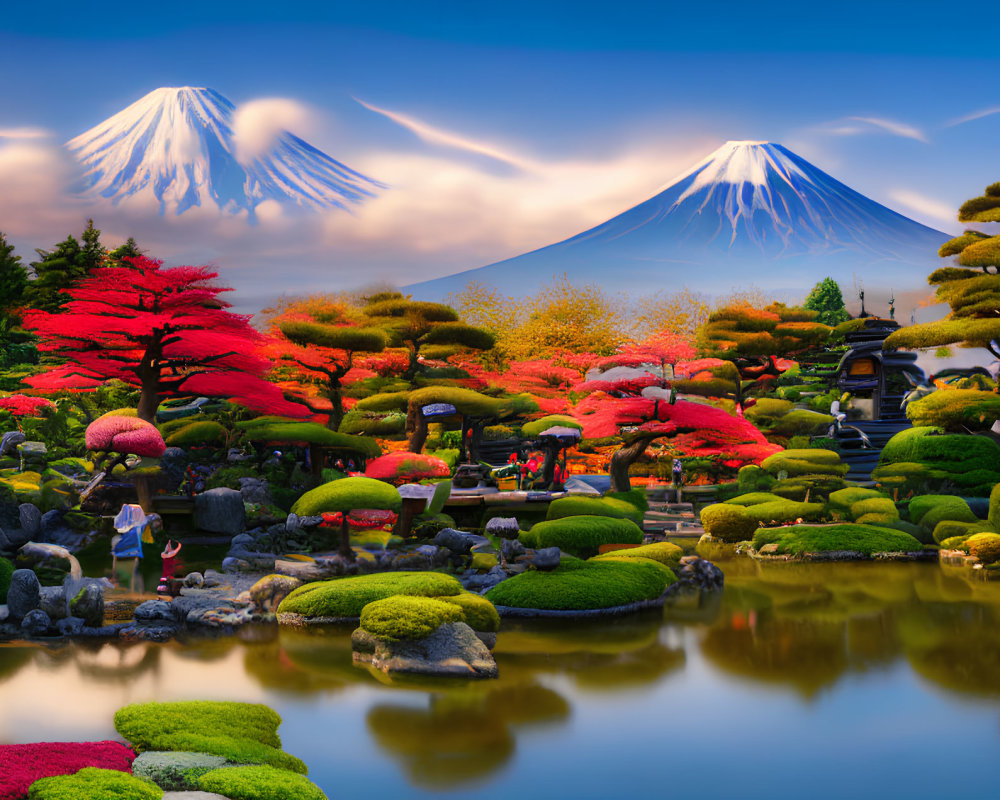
(33, 454)
(220, 511)
(52, 600)
(459, 542)
(155, 611)
(547, 558)
(695, 572)
(511, 549)
(70, 626)
(31, 519)
(482, 583)
(255, 490)
(172, 464)
(24, 594)
(36, 622)
(88, 605)
(9, 442)
(504, 527)
(452, 651)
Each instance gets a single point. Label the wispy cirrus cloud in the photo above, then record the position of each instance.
(927, 208)
(25, 133)
(439, 136)
(971, 117)
(857, 126)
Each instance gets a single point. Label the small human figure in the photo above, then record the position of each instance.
(169, 556)
(678, 475)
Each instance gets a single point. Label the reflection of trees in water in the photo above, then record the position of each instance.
(464, 736)
(303, 660)
(117, 663)
(12, 659)
(805, 625)
(602, 655)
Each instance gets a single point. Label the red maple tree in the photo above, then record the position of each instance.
(164, 331)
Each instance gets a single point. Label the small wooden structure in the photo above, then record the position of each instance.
(876, 379)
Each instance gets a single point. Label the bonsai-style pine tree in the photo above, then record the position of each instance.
(58, 269)
(320, 337)
(827, 301)
(165, 331)
(429, 329)
(475, 409)
(972, 288)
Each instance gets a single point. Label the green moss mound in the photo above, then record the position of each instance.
(477, 612)
(402, 617)
(91, 782)
(903, 445)
(259, 783)
(265, 429)
(874, 505)
(929, 510)
(668, 573)
(805, 462)
(753, 499)
(246, 733)
(731, 523)
(664, 552)
(348, 494)
(373, 423)
(345, 597)
(752, 478)
(193, 434)
(782, 510)
(6, 571)
(582, 536)
(985, 547)
(594, 506)
(388, 401)
(864, 539)
(994, 513)
(582, 585)
(535, 427)
(842, 499)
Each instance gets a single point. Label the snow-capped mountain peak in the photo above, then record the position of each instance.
(176, 144)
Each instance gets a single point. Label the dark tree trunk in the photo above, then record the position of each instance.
(623, 458)
(149, 381)
(316, 458)
(345, 539)
(549, 465)
(336, 398)
(416, 426)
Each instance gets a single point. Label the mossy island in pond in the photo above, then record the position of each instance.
(259, 783)
(343, 598)
(665, 553)
(867, 540)
(583, 585)
(401, 617)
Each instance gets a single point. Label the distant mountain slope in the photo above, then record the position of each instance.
(176, 145)
(751, 212)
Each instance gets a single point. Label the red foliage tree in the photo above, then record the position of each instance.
(661, 348)
(165, 331)
(21, 405)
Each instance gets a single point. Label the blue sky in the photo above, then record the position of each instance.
(507, 126)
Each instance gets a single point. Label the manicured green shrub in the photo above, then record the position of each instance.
(994, 516)
(373, 423)
(583, 535)
(531, 429)
(730, 523)
(269, 429)
(930, 509)
(984, 546)
(865, 539)
(664, 552)
(842, 499)
(949, 529)
(594, 507)
(402, 617)
(345, 597)
(348, 494)
(477, 612)
(259, 783)
(874, 518)
(956, 409)
(805, 462)
(636, 497)
(903, 445)
(814, 487)
(784, 511)
(753, 499)
(246, 733)
(205, 432)
(91, 782)
(752, 478)
(874, 505)
(389, 401)
(667, 572)
(582, 585)
(6, 571)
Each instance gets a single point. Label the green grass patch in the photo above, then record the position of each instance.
(259, 783)
(91, 782)
(665, 553)
(865, 539)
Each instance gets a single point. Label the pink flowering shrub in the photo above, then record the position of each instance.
(23, 764)
(124, 435)
(403, 467)
(21, 405)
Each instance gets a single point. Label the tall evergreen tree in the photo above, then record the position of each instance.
(62, 267)
(827, 299)
(128, 250)
(13, 279)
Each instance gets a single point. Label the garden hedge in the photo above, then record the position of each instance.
(259, 783)
(91, 782)
(242, 732)
(345, 597)
(865, 539)
(583, 585)
(582, 536)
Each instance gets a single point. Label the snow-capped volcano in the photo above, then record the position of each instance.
(177, 145)
(751, 212)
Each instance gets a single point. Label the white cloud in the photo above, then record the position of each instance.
(257, 124)
(435, 135)
(985, 112)
(34, 176)
(930, 210)
(857, 126)
(24, 133)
